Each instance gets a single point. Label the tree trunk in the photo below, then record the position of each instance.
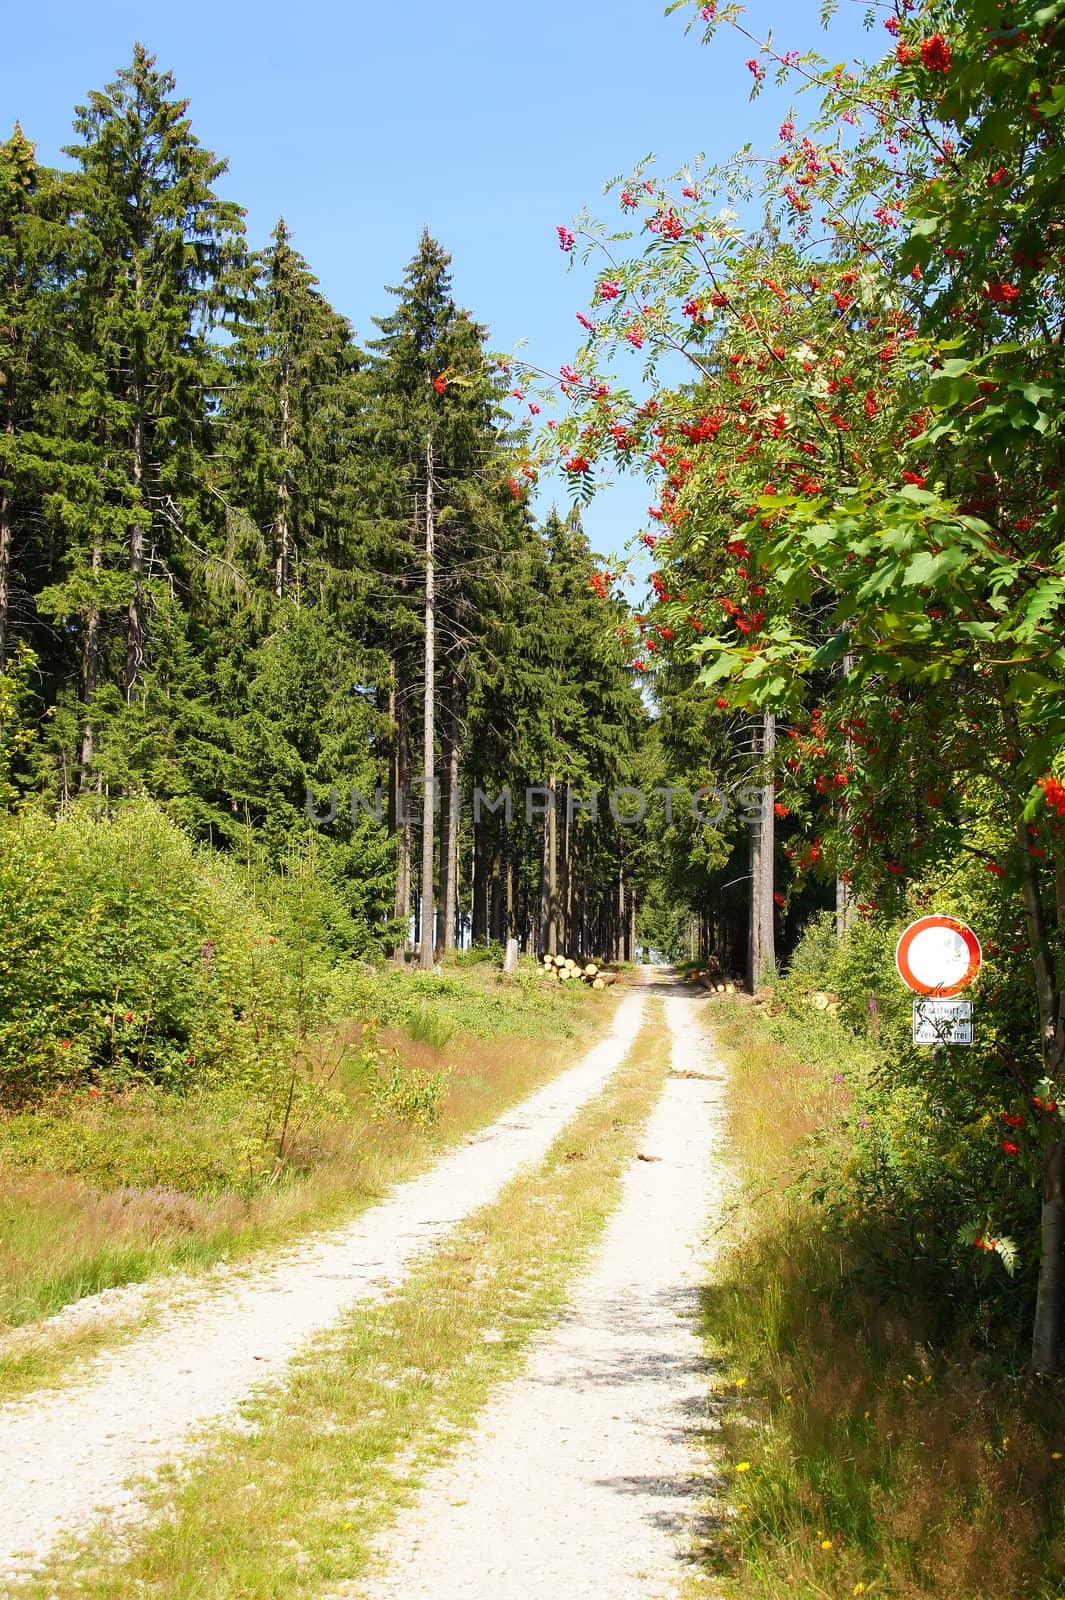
(135, 612)
(283, 526)
(479, 899)
(761, 946)
(398, 814)
(495, 896)
(90, 661)
(425, 948)
(1048, 1332)
(565, 909)
(549, 877)
(7, 535)
(844, 906)
(449, 825)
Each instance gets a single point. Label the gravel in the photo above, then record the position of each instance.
(585, 1477)
(68, 1456)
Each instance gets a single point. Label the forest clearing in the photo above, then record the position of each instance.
(532, 803)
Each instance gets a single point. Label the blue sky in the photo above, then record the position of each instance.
(490, 123)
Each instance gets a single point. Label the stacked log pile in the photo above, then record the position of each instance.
(714, 982)
(563, 969)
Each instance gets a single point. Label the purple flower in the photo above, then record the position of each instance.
(838, 1077)
(863, 1122)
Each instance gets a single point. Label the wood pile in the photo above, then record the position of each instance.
(713, 982)
(563, 969)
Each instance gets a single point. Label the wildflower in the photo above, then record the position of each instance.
(129, 1016)
(826, 1544)
(721, 703)
(859, 1588)
(1055, 1455)
(743, 1466)
(65, 1043)
(839, 1077)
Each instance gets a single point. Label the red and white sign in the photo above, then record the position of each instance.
(938, 956)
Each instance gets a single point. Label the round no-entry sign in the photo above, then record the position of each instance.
(938, 956)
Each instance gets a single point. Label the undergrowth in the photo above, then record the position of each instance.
(878, 1432)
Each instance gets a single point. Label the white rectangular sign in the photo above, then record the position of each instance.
(942, 1021)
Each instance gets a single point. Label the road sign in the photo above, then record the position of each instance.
(938, 956)
(938, 1021)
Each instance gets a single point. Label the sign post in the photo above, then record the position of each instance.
(937, 958)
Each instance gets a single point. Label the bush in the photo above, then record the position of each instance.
(127, 953)
(934, 1151)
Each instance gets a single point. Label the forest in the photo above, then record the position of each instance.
(304, 683)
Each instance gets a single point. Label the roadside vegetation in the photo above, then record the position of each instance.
(881, 1432)
(190, 1070)
(296, 1498)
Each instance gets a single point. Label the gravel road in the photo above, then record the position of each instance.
(581, 1478)
(68, 1455)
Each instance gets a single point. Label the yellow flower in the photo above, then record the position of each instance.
(740, 1382)
(1055, 1455)
(826, 1544)
(859, 1588)
(743, 1466)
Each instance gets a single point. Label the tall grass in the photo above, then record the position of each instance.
(101, 1187)
(863, 1451)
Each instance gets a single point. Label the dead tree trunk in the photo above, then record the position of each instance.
(449, 825)
(428, 897)
(398, 814)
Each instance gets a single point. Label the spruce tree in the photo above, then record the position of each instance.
(159, 259)
(436, 427)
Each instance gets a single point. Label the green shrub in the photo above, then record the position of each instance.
(127, 953)
(427, 1025)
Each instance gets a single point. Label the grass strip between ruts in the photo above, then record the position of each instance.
(293, 1505)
